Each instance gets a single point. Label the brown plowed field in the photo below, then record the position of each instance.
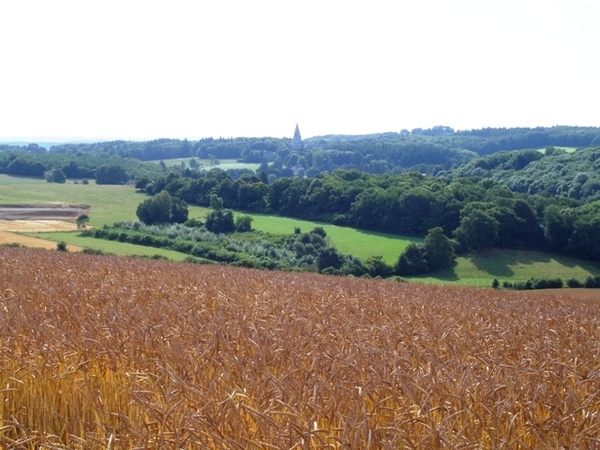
(58, 211)
(36, 219)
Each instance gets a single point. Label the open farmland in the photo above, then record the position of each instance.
(37, 218)
(106, 352)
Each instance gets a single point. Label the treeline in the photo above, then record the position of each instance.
(387, 153)
(247, 149)
(427, 151)
(553, 172)
(103, 168)
(481, 141)
(478, 213)
(590, 282)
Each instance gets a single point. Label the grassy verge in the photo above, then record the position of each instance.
(113, 247)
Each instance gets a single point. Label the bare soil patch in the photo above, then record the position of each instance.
(36, 226)
(37, 219)
(58, 211)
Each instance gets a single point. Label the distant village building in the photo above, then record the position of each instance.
(297, 140)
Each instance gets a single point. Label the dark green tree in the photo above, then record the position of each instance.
(329, 257)
(585, 240)
(142, 182)
(179, 211)
(377, 267)
(412, 261)
(532, 235)
(477, 231)
(55, 176)
(111, 174)
(439, 250)
(243, 223)
(81, 221)
(162, 208)
(557, 230)
(219, 219)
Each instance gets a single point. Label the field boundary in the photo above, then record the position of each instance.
(8, 237)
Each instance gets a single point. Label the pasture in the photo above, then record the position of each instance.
(479, 269)
(116, 353)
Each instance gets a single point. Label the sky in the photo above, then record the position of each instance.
(144, 69)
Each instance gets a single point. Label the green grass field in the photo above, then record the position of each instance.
(513, 265)
(347, 240)
(110, 204)
(112, 247)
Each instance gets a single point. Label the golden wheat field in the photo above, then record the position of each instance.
(99, 352)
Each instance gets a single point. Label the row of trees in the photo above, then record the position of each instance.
(103, 168)
(477, 213)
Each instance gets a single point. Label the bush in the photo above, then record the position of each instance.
(193, 223)
(574, 283)
(547, 283)
(379, 268)
(55, 176)
(412, 261)
(243, 224)
(592, 282)
(93, 251)
(61, 246)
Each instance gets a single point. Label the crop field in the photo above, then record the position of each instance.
(121, 353)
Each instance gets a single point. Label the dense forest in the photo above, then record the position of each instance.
(551, 172)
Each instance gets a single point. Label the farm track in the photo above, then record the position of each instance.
(106, 352)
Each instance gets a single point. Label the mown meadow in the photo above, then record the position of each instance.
(121, 353)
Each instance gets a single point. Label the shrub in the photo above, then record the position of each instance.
(243, 223)
(591, 282)
(93, 251)
(547, 283)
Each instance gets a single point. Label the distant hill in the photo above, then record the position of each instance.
(552, 172)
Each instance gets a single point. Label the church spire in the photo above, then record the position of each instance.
(297, 140)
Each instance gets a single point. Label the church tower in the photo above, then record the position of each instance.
(297, 140)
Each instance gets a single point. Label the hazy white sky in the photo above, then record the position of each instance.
(142, 69)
